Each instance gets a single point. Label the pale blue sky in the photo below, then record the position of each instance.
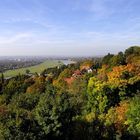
(68, 27)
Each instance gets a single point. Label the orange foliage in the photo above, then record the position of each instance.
(116, 75)
(40, 79)
(54, 82)
(85, 67)
(121, 115)
(37, 86)
(117, 115)
(69, 80)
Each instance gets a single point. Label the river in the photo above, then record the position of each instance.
(67, 62)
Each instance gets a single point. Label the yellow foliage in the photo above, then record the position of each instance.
(90, 117)
(116, 75)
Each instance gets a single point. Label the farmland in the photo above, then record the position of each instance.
(38, 68)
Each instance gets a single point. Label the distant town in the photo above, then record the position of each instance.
(10, 63)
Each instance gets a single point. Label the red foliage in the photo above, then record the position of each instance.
(69, 80)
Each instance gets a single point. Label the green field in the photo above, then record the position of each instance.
(38, 68)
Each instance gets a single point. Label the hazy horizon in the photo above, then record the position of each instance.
(68, 28)
(57, 56)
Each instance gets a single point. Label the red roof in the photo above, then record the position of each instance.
(77, 72)
(69, 80)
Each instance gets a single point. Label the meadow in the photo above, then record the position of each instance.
(33, 69)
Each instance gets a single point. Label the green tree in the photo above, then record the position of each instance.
(135, 50)
(2, 78)
(11, 88)
(54, 115)
(133, 116)
(66, 73)
(107, 58)
(16, 119)
(27, 71)
(117, 60)
(97, 100)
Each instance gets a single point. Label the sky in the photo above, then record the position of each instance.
(68, 27)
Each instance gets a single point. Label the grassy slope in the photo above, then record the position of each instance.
(38, 68)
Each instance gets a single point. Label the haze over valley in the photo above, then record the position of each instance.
(69, 69)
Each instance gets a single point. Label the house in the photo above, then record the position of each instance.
(86, 68)
(90, 70)
(77, 73)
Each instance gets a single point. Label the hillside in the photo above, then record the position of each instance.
(93, 99)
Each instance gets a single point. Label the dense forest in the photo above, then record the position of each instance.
(93, 99)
